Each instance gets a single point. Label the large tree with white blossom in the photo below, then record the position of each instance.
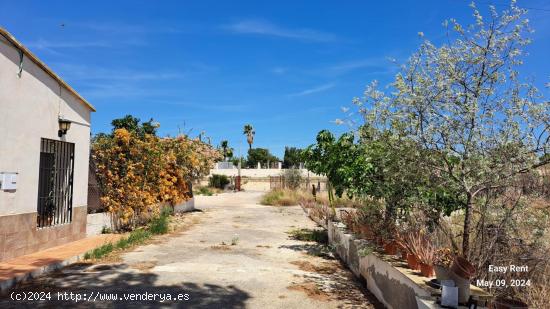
(465, 103)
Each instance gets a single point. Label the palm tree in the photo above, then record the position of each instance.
(249, 131)
(225, 145)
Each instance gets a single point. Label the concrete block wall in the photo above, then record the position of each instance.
(390, 286)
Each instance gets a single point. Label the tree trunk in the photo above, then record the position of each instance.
(467, 223)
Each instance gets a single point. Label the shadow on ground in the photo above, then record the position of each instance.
(328, 276)
(315, 242)
(108, 279)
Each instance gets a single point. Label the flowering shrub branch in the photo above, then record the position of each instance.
(138, 173)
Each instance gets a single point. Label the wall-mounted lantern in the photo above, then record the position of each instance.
(64, 126)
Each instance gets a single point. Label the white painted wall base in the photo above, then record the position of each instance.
(96, 222)
(185, 206)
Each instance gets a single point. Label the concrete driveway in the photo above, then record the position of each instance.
(236, 254)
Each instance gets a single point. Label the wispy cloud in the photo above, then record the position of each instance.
(54, 47)
(313, 90)
(262, 27)
(47, 44)
(116, 27)
(128, 83)
(103, 34)
(89, 73)
(378, 64)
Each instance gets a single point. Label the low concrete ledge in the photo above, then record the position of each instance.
(186, 206)
(387, 278)
(95, 223)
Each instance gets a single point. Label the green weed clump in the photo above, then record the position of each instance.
(318, 236)
(99, 252)
(280, 197)
(204, 191)
(157, 226)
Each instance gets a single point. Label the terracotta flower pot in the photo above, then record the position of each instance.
(365, 232)
(506, 303)
(426, 270)
(462, 268)
(412, 261)
(390, 248)
(403, 253)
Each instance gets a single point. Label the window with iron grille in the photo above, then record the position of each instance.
(55, 183)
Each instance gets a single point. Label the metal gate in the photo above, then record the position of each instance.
(55, 183)
(276, 182)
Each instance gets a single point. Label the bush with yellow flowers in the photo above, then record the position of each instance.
(139, 173)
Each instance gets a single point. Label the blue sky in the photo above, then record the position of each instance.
(286, 67)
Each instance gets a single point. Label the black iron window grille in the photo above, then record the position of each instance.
(55, 183)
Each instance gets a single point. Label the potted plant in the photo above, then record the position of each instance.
(463, 268)
(390, 247)
(414, 242)
(426, 256)
(442, 263)
(462, 271)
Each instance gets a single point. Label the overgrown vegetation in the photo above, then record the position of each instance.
(289, 197)
(139, 172)
(218, 181)
(280, 197)
(292, 178)
(203, 191)
(316, 235)
(455, 151)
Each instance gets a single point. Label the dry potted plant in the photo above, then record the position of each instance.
(388, 236)
(421, 252)
(411, 241)
(442, 263)
(426, 256)
(349, 219)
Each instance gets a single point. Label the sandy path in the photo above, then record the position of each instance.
(238, 254)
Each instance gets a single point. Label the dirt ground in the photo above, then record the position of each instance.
(235, 253)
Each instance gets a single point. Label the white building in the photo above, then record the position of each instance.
(43, 166)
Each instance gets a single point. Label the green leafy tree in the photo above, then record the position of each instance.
(292, 157)
(134, 125)
(259, 155)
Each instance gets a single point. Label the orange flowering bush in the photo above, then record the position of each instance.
(139, 173)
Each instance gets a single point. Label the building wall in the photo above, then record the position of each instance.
(30, 106)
